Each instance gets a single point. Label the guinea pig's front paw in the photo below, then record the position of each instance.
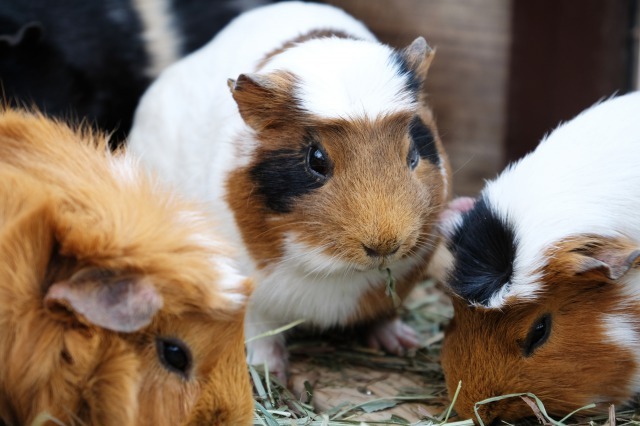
(394, 336)
(271, 352)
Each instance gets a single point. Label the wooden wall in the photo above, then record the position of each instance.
(566, 56)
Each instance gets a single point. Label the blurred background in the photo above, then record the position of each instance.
(506, 71)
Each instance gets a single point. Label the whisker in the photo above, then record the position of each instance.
(464, 164)
(288, 258)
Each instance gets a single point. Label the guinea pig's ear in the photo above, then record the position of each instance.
(265, 100)
(97, 297)
(418, 56)
(29, 33)
(18, 28)
(594, 256)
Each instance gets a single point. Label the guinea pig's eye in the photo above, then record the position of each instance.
(174, 355)
(317, 162)
(538, 335)
(413, 158)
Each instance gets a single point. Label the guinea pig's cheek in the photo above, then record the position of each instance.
(448, 356)
(310, 258)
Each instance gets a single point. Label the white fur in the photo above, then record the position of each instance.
(500, 297)
(159, 32)
(187, 130)
(622, 331)
(445, 180)
(125, 168)
(582, 178)
(231, 282)
(337, 82)
(308, 285)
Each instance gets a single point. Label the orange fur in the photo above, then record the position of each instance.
(74, 216)
(579, 363)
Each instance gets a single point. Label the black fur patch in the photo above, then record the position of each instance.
(484, 248)
(413, 82)
(281, 176)
(423, 139)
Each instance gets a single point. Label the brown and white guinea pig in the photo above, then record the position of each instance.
(320, 157)
(118, 305)
(544, 273)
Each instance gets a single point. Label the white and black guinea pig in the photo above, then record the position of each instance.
(321, 158)
(545, 273)
(92, 60)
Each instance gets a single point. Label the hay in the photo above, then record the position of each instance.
(336, 381)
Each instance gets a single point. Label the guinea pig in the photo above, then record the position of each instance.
(93, 60)
(544, 273)
(321, 158)
(118, 303)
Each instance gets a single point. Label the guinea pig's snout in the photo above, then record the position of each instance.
(381, 249)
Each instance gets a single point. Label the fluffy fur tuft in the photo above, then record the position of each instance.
(100, 266)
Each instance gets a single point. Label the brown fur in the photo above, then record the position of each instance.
(578, 364)
(74, 217)
(383, 205)
(301, 39)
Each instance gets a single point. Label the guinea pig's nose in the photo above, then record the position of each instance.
(381, 250)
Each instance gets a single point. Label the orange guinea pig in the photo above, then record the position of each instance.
(117, 304)
(545, 273)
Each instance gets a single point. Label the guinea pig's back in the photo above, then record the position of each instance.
(582, 178)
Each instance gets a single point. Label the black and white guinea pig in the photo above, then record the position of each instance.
(319, 155)
(93, 59)
(544, 273)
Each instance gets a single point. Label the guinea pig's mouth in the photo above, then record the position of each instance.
(356, 259)
(382, 263)
(373, 264)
